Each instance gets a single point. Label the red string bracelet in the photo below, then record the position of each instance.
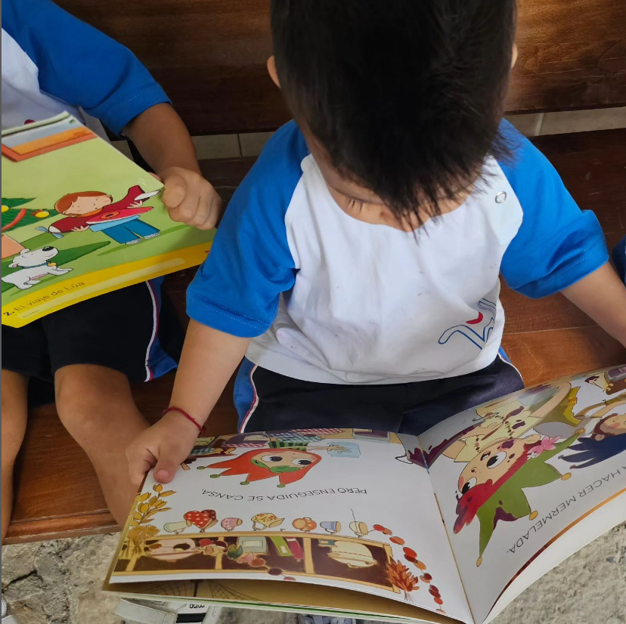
(190, 418)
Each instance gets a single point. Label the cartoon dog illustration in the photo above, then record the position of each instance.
(34, 265)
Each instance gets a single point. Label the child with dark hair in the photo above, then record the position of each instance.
(356, 270)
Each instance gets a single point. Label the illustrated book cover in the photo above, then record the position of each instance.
(79, 219)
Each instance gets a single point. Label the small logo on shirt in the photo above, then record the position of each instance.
(477, 331)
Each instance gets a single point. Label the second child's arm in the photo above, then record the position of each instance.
(602, 295)
(208, 361)
(164, 142)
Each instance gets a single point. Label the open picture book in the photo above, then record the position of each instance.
(79, 219)
(448, 526)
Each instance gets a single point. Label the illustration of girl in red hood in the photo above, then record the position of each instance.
(289, 465)
(492, 484)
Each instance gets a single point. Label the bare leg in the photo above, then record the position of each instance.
(14, 417)
(96, 406)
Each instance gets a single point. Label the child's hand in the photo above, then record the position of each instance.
(166, 444)
(190, 198)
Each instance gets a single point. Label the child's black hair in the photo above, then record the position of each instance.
(405, 96)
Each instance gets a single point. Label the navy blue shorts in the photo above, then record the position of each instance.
(267, 401)
(127, 330)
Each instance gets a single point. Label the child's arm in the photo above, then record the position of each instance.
(164, 142)
(234, 297)
(208, 361)
(602, 296)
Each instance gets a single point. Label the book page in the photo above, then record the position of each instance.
(79, 219)
(346, 508)
(514, 475)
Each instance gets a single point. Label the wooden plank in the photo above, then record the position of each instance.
(210, 56)
(542, 356)
(571, 55)
(593, 167)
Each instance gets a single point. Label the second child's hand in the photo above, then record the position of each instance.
(190, 199)
(164, 142)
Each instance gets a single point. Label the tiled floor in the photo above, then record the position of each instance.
(59, 582)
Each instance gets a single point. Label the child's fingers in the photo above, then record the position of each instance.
(165, 471)
(209, 210)
(175, 191)
(168, 463)
(139, 464)
(187, 211)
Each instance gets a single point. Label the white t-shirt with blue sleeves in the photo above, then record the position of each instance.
(52, 62)
(330, 299)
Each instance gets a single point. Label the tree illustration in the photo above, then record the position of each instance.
(15, 213)
(146, 507)
(402, 578)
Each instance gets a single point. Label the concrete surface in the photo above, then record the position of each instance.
(59, 583)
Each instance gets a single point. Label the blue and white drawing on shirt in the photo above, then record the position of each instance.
(467, 329)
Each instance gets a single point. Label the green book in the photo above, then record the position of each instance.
(79, 219)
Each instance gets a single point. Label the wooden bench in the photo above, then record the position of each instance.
(210, 56)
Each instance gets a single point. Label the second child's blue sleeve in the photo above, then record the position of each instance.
(557, 244)
(80, 65)
(237, 289)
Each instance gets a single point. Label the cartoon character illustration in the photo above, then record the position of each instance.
(547, 410)
(204, 519)
(266, 521)
(289, 466)
(33, 266)
(475, 330)
(492, 485)
(230, 524)
(607, 440)
(96, 211)
(304, 524)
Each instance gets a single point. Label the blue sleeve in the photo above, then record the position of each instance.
(557, 244)
(80, 65)
(237, 289)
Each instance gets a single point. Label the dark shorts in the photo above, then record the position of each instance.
(127, 330)
(268, 401)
